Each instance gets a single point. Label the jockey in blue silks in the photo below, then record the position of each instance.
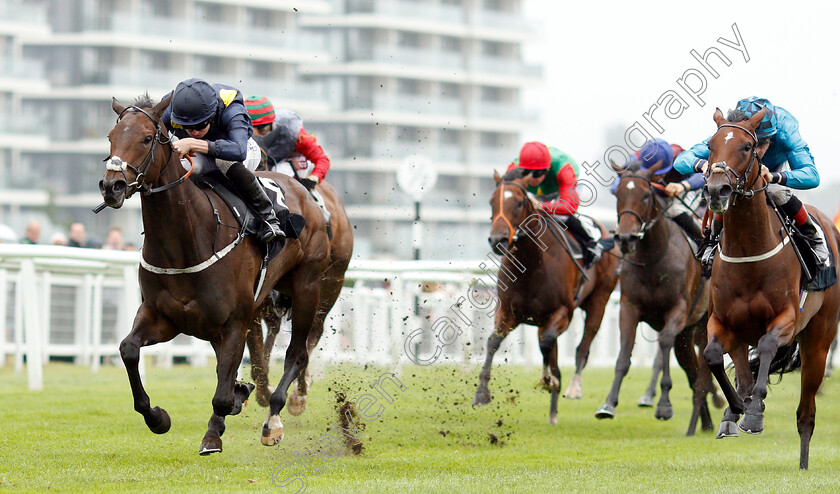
(685, 185)
(786, 164)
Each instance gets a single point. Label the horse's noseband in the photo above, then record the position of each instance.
(115, 163)
(740, 180)
(649, 220)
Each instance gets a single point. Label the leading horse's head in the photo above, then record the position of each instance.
(138, 143)
(734, 167)
(511, 207)
(637, 206)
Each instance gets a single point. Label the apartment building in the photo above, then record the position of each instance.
(379, 82)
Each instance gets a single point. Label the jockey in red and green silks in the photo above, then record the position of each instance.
(551, 176)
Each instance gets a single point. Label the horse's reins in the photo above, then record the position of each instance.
(514, 232)
(648, 222)
(749, 193)
(114, 163)
(741, 180)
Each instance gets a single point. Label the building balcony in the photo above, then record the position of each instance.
(436, 13)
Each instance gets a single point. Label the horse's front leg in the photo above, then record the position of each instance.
(504, 324)
(297, 398)
(548, 347)
(594, 307)
(306, 291)
(674, 325)
(259, 365)
(628, 320)
(768, 345)
(148, 330)
(647, 399)
(230, 395)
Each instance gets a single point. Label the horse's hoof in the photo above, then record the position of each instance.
(573, 392)
(664, 412)
(272, 431)
(482, 397)
(296, 404)
(163, 423)
(210, 445)
(727, 429)
(605, 412)
(645, 401)
(752, 424)
(552, 419)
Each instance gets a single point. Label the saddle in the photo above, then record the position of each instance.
(248, 221)
(816, 277)
(591, 228)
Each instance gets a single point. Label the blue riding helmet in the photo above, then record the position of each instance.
(193, 102)
(653, 151)
(752, 105)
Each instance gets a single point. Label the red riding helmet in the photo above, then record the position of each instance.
(534, 156)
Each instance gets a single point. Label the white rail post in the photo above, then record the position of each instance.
(46, 314)
(96, 322)
(3, 313)
(34, 366)
(19, 351)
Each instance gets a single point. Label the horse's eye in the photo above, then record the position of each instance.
(748, 147)
(147, 140)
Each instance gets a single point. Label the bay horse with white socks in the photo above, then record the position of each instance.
(756, 294)
(198, 271)
(546, 287)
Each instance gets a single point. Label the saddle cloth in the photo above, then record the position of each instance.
(591, 228)
(248, 221)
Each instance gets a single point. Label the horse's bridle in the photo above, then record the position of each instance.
(649, 221)
(740, 180)
(116, 164)
(514, 232)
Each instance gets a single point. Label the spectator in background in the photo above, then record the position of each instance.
(114, 239)
(77, 235)
(33, 233)
(58, 238)
(130, 246)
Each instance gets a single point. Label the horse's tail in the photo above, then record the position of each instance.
(786, 360)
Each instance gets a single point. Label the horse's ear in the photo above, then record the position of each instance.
(497, 177)
(117, 106)
(719, 120)
(161, 107)
(756, 119)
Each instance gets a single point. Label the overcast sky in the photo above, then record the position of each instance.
(607, 63)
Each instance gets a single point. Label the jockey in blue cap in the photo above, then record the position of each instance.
(682, 189)
(786, 164)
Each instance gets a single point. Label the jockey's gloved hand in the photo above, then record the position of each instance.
(309, 182)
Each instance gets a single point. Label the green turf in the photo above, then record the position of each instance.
(81, 434)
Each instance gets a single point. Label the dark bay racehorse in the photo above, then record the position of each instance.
(341, 251)
(198, 275)
(544, 289)
(660, 285)
(756, 296)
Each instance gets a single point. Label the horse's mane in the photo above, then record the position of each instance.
(144, 101)
(513, 174)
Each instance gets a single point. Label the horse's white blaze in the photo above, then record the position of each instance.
(508, 194)
(116, 164)
(728, 136)
(631, 185)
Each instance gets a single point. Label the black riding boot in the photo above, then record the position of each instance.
(708, 246)
(808, 230)
(689, 226)
(251, 190)
(814, 236)
(592, 250)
